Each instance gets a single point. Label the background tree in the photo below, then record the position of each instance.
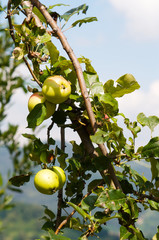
(92, 111)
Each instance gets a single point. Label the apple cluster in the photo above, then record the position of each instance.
(48, 181)
(55, 90)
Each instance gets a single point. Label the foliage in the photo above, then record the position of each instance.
(9, 83)
(120, 191)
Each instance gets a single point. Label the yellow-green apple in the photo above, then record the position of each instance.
(61, 175)
(56, 89)
(37, 98)
(46, 181)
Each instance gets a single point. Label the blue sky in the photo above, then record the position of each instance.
(125, 39)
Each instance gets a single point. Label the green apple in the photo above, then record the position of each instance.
(61, 175)
(56, 89)
(46, 181)
(37, 98)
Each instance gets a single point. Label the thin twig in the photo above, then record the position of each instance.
(60, 193)
(32, 73)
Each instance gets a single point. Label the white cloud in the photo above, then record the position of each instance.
(141, 101)
(142, 18)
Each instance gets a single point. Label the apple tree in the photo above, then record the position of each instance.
(91, 110)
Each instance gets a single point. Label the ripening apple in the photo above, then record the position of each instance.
(37, 98)
(61, 175)
(46, 181)
(56, 89)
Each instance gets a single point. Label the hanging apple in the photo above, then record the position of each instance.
(61, 175)
(46, 181)
(56, 89)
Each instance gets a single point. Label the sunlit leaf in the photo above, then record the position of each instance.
(45, 38)
(90, 78)
(96, 88)
(151, 121)
(110, 103)
(100, 137)
(125, 84)
(39, 14)
(54, 53)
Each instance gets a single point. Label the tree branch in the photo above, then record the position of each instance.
(81, 80)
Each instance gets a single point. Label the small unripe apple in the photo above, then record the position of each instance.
(37, 98)
(46, 181)
(56, 89)
(61, 175)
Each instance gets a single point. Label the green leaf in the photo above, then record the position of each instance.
(80, 211)
(63, 65)
(154, 205)
(100, 137)
(96, 88)
(107, 99)
(90, 78)
(124, 233)
(88, 203)
(84, 20)
(45, 38)
(66, 16)
(39, 14)
(36, 116)
(109, 103)
(125, 84)
(20, 180)
(49, 213)
(43, 157)
(152, 148)
(151, 121)
(154, 167)
(112, 199)
(29, 136)
(57, 237)
(93, 184)
(62, 160)
(102, 218)
(54, 53)
(57, 5)
(87, 62)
